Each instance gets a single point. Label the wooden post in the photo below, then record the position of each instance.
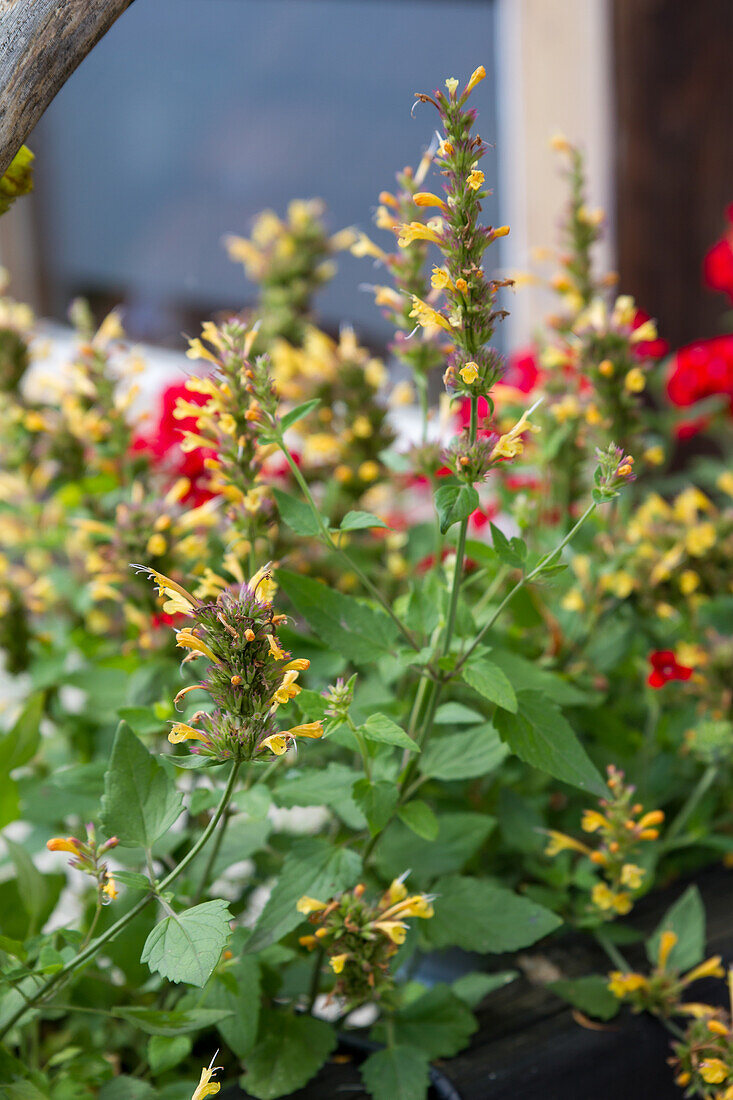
(41, 43)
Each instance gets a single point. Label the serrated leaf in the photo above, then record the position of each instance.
(460, 835)
(140, 801)
(331, 786)
(540, 736)
(154, 1021)
(166, 1051)
(292, 1050)
(686, 918)
(418, 817)
(351, 628)
(489, 681)
(590, 994)
(133, 879)
(20, 743)
(312, 866)
(396, 1073)
(480, 916)
(505, 552)
(298, 413)
(439, 1022)
(465, 755)
(359, 521)
(456, 714)
(237, 990)
(297, 514)
(378, 727)
(185, 947)
(454, 503)
(377, 801)
(534, 678)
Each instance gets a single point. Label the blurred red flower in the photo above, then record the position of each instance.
(665, 667)
(717, 266)
(701, 370)
(163, 442)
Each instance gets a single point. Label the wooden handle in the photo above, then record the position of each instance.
(41, 43)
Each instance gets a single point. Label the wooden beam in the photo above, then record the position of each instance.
(41, 43)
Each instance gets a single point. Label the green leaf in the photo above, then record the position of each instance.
(9, 801)
(298, 413)
(686, 918)
(237, 989)
(166, 1051)
(291, 1051)
(454, 503)
(358, 521)
(154, 1021)
(488, 680)
(377, 800)
(358, 632)
(473, 987)
(533, 677)
(423, 605)
(312, 866)
(140, 800)
(19, 745)
(331, 786)
(31, 883)
(460, 835)
(540, 736)
(456, 714)
(126, 1088)
(185, 947)
(133, 879)
(438, 1022)
(296, 513)
(510, 553)
(478, 915)
(590, 994)
(141, 720)
(418, 817)
(396, 1073)
(465, 755)
(378, 727)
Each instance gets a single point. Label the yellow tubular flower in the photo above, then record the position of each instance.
(313, 730)
(180, 731)
(275, 649)
(416, 231)
(635, 380)
(276, 743)
(427, 198)
(109, 889)
(667, 942)
(426, 316)
(63, 844)
(560, 842)
(511, 445)
(394, 930)
(288, 689)
(263, 584)
(620, 984)
(363, 246)
(711, 968)
(592, 820)
(440, 279)
(308, 905)
(186, 639)
(475, 78)
(475, 179)
(207, 1087)
(713, 1071)
(469, 373)
(337, 962)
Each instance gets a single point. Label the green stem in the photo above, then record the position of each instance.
(332, 545)
(110, 933)
(522, 582)
(611, 950)
(705, 781)
(362, 747)
(93, 925)
(315, 978)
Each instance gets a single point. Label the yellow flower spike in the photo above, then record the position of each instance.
(186, 639)
(475, 78)
(416, 231)
(307, 905)
(394, 930)
(592, 821)
(206, 1087)
(469, 373)
(667, 942)
(63, 844)
(275, 649)
(337, 962)
(560, 842)
(181, 731)
(475, 179)
(713, 1071)
(263, 584)
(711, 968)
(276, 743)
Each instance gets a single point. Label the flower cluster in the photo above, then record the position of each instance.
(620, 827)
(703, 1058)
(660, 991)
(87, 857)
(360, 936)
(161, 440)
(249, 674)
(699, 370)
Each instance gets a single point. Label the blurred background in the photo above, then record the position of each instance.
(191, 116)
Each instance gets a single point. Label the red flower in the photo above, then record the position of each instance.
(701, 370)
(164, 443)
(483, 515)
(665, 667)
(717, 266)
(523, 370)
(648, 349)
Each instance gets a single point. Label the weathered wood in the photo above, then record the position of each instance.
(41, 43)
